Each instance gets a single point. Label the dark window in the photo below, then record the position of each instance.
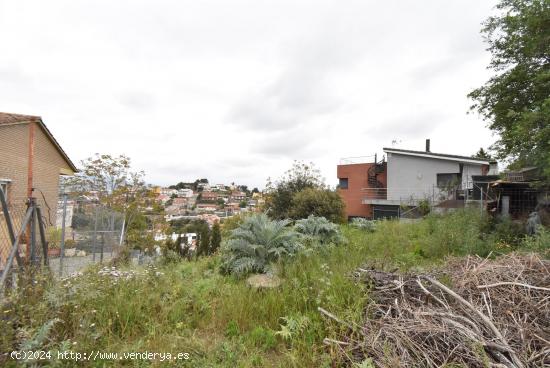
(447, 180)
(343, 183)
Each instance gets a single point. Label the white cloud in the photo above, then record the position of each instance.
(234, 91)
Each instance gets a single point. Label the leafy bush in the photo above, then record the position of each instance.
(539, 242)
(318, 202)
(170, 257)
(53, 235)
(505, 230)
(280, 193)
(459, 233)
(363, 224)
(257, 243)
(319, 229)
(262, 338)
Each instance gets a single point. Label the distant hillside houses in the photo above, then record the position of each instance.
(206, 199)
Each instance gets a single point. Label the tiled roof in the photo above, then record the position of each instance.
(8, 118)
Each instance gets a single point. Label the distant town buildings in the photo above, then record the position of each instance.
(208, 201)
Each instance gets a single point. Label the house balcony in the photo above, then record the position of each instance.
(406, 196)
(377, 196)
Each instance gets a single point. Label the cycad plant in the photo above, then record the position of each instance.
(319, 230)
(256, 244)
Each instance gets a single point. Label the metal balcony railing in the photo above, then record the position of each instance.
(375, 193)
(357, 160)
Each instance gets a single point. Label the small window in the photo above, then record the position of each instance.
(343, 183)
(447, 180)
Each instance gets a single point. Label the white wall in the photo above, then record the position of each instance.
(415, 177)
(467, 173)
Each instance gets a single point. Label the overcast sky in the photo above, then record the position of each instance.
(237, 90)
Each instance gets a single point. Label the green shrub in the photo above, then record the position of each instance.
(70, 243)
(256, 244)
(363, 224)
(232, 329)
(540, 242)
(319, 202)
(262, 338)
(424, 207)
(122, 258)
(53, 235)
(460, 232)
(170, 257)
(318, 230)
(505, 230)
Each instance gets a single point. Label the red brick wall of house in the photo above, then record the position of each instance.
(357, 175)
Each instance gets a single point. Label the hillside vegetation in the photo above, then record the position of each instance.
(190, 306)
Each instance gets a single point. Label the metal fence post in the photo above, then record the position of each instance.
(32, 204)
(94, 245)
(62, 245)
(102, 244)
(481, 203)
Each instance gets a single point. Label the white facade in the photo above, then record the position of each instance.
(185, 193)
(413, 177)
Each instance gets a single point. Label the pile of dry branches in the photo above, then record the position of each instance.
(495, 314)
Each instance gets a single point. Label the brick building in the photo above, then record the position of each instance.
(31, 162)
(353, 179)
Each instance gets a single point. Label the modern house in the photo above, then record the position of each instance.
(406, 179)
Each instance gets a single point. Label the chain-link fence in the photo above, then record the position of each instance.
(16, 215)
(85, 232)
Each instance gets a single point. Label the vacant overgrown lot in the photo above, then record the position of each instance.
(189, 306)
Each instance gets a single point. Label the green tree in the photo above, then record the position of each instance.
(280, 193)
(216, 238)
(318, 202)
(515, 102)
(482, 154)
(204, 241)
(117, 188)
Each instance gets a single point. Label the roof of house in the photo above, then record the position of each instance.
(12, 119)
(442, 156)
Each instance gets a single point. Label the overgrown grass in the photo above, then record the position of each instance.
(221, 321)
